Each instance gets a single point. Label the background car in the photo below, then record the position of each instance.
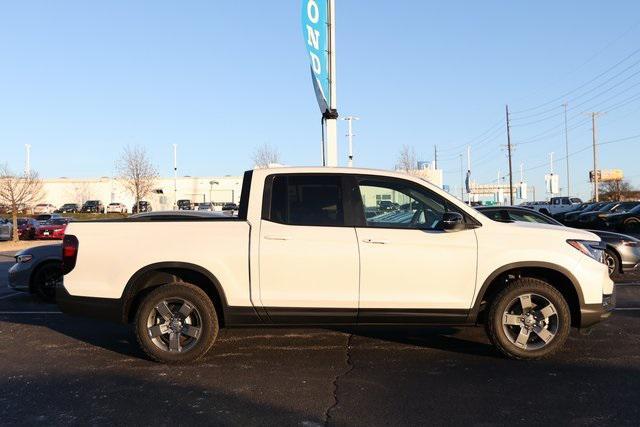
(69, 208)
(571, 218)
(626, 222)
(116, 208)
(43, 208)
(44, 218)
(206, 206)
(229, 208)
(185, 205)
(6, 229)
(596, 219)
(559, 216)
(53, 229)
(622, 253)
(37, 270)
(92, 206)
(27, 228)
(142, 206)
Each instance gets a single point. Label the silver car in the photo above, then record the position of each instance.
(6, 229)
(37, 270)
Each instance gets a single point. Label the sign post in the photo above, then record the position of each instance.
(318, 28)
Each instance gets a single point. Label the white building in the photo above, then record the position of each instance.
(218, 189)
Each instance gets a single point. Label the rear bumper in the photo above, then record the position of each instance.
(97, 308)
(590, 314)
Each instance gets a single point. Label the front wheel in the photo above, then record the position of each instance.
(176, 323)
(529, 319)
(45, 280)
(613, 264)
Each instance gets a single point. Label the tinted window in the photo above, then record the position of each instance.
(529, 217)
(307, 200)
(496, 215)
(401, 205)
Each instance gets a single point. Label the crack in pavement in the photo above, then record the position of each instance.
(350, 367)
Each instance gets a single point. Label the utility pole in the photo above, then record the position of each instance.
(509, 151)
(350, 135)
(594, 134)
(27, 159)
(175, 177)
(566, 144)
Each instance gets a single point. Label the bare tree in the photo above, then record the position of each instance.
(18, 192)
(615, 190)
(265, 155)
(407, 160)
(136, 172)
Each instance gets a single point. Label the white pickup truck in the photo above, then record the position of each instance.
(322, 247)
(557, 205)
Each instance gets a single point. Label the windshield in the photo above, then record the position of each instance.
(59, 221)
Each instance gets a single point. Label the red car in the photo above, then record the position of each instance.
(27, 228)
(53, 229)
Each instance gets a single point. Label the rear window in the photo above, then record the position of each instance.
(307, 200)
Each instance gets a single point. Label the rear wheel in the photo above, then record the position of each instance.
(529, 319)
(176, 323)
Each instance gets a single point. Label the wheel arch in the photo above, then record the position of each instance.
(160, 273)
(556, 275)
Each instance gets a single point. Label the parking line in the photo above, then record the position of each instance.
(627, 284)
(626, 308)
(11, 295)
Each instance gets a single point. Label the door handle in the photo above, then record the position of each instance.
(375, 242)
(277, 238)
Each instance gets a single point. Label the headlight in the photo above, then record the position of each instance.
(590, 248)
(20, 259)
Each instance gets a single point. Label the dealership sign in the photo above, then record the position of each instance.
(315, 29)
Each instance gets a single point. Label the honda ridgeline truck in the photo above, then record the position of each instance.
(321, 247)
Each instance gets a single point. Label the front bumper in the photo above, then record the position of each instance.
(19, 277)
(590, 314)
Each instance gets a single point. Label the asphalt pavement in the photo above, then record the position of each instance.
(58, 369)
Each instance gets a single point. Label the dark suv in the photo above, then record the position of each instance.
(92, 206)
(69, 208)
(142, 206)
(185, 205)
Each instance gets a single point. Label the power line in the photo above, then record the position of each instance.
(564, 95)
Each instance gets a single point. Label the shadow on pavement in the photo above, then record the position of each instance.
(89, 398)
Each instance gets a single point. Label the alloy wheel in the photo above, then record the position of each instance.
(174, 325)
(530, 321)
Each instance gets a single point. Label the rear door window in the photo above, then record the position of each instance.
(306, 200)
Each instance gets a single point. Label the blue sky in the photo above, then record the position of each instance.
(79, 80)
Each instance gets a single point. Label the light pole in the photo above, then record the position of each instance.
(211, 184)
(27, 160)
(175, 176)
(349, 120)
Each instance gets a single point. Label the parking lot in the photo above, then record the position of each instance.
(61, 369)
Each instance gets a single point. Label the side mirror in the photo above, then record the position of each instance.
(452, 221)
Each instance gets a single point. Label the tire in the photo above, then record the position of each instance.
(170, 336)
(612, 261)
(528, 337)
(45, 280)
(632, 225)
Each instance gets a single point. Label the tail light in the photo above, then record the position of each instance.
(69, 253)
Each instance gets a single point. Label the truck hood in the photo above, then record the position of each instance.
(558, 230)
